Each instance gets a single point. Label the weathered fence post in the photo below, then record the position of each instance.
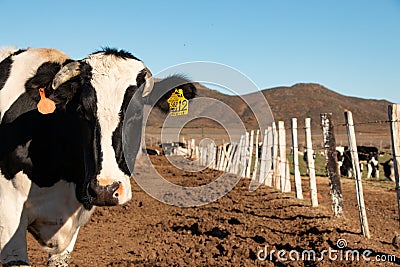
(214, 152)
(250, 153)
(276, 176)
(244, 154)
(255, 170)
(238, 161)
(356, 167)
(332, 164)
(222, 157)
(218, 158)
(197, 153)
(202, 154)
(233, 152)
(193, 149)
(268, 163)
(285, 180)
(311, 166)
(261, 178)
(296, 170)
(228, 158)
(264, 155)
(394, 117)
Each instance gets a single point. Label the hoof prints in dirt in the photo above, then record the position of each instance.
(194, 230)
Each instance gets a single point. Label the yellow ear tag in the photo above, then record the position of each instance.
(178, 104)
(45, 105)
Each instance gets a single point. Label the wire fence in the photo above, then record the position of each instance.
(251, 164)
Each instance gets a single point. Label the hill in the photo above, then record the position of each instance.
(309, 100)
(301, 101)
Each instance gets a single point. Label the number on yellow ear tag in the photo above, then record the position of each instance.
(178, 104)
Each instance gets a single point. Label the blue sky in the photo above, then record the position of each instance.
(351, 47)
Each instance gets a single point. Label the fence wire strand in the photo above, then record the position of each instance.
(367, 122)
(359, 123)
(382, 214)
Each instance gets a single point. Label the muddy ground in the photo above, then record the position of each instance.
(233, 230)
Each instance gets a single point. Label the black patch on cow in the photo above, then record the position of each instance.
(77, 88)
(68, 61)
(20, 51)
(141, 78)
(132, 130)
(5, 69)
(78, 97)
(118, 53)
(64, 145)
(42, 79)
(28, 100)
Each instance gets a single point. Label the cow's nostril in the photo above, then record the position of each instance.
(104, 195)
(118, 190)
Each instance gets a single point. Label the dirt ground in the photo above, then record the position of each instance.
(238, 229)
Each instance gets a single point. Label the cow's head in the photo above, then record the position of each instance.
(96, 92)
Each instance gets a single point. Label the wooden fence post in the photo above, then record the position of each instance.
(356, 167)
(268, 163)
(276, 176)
(228, 159)
(238, 161)
(222, 158)
(233, 152)
(263, 163)
(296, 170)
(311, 166)
(332, 164)
(214, 155)
(218, 158)
(394, 117)
(249, 153)
(255, 170)
(201, 151)
(285, 180)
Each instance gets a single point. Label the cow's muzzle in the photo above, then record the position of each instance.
(103, 195)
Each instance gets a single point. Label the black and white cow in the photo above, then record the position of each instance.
(367, 155)
(56, 167)
(388, 169)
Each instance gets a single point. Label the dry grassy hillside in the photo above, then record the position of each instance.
(302, 101)
(309, 100)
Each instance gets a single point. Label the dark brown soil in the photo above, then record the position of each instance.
(232, 230)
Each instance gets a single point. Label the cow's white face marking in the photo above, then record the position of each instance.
(21, 72)
(111, 76)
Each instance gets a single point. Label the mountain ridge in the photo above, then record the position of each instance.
(302, 100)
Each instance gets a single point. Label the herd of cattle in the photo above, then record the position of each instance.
(62, 141)
(368, 157)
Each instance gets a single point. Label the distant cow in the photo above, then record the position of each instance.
(388, 169)
(174, 148)
(152, 152)
(367, 155)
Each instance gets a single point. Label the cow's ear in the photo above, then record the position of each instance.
(163, 89)
(42, 78)
(69, 81)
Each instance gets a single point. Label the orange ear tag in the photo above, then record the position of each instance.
(45, 105)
